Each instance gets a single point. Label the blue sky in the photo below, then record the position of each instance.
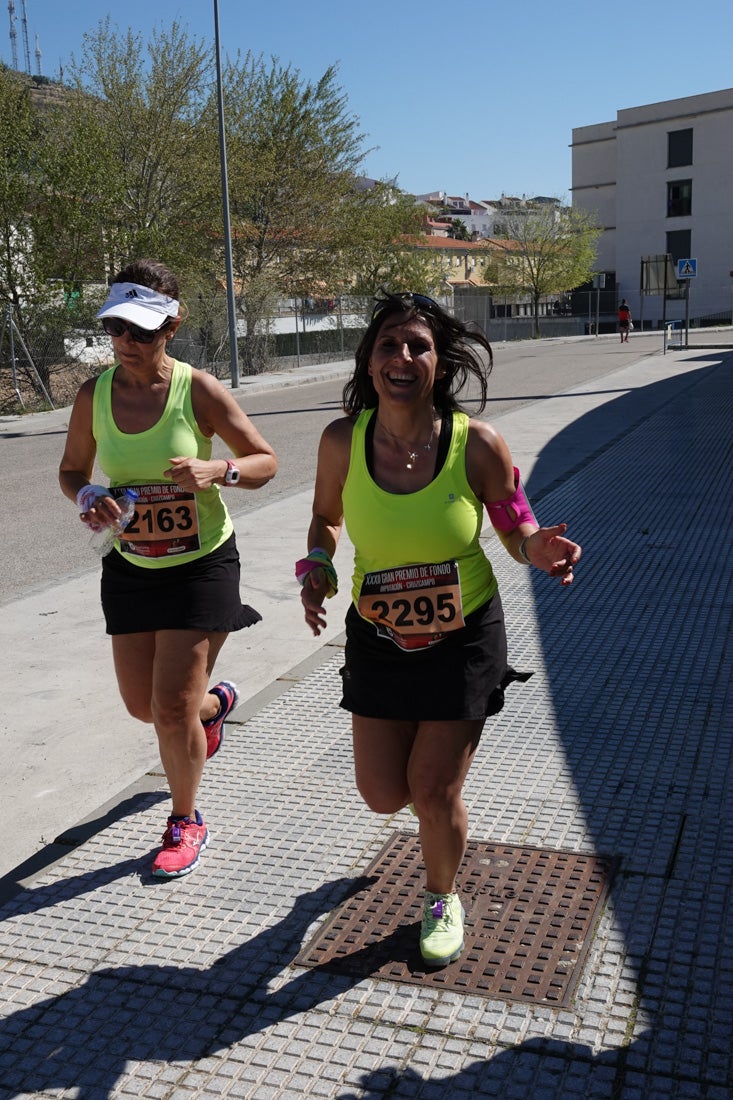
(479, 98)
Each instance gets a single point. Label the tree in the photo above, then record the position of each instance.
(549, 249)
(459, 230)
(77, 204)
(381, 221)
(21, 141)
(127, 168)
(124, 162)
(293, 151)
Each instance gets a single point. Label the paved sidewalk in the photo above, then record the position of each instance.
(117, 985)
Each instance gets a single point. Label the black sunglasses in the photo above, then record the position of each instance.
(419, 301)
(115, 326)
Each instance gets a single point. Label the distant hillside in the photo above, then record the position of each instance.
(44, 91)
(47, 95)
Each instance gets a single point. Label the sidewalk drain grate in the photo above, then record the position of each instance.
(530, 918)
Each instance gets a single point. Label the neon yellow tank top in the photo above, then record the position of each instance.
(438, 523)
(172, 527)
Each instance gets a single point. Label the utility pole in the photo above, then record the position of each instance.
(13, 34)
(26, 47)
(231, 304)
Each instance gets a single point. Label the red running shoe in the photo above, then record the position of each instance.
(183, 842)
(214, 727)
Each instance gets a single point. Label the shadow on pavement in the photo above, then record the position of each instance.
(34, 898)
(537, 1068)
(638, 660)
(84, 1039)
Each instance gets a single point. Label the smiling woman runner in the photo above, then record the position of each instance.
(170, 588)
(425, 659)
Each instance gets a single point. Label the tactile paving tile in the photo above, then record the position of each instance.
(530, 917)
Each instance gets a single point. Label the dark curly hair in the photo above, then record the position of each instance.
(457, 344)
(150, 273)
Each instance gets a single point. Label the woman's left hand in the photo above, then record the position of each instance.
(549, 551)
(193, 474)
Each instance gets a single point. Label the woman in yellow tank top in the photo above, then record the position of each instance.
(425, 660)
(170, 586)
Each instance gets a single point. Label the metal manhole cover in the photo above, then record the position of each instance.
(530, 917)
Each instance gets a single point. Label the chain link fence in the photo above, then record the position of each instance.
(297, 333)
(45, 370)
(503, 319)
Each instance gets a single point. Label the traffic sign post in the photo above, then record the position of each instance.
(599, 282)
(658, 276)
(687, 269)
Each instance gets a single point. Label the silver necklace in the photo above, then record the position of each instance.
(412, 455)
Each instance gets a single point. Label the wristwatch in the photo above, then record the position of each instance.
(231, 477)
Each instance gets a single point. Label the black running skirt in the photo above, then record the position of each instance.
(199, 595)
(461, 677)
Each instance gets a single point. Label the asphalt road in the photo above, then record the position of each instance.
(42, 541)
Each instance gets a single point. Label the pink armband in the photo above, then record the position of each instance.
(506, 515)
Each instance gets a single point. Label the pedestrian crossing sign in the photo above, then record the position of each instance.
(686, 269)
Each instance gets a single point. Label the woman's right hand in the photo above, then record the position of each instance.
(312, 595)
(104, 513)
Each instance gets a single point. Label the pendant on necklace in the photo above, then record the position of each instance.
(412, 455)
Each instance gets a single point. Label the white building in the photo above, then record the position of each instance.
(478, 217)
(659, 179)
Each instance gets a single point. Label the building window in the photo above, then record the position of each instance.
(679, 148)
(679, 198)
(679, 245)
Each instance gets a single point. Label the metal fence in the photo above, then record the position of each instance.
(493, 315)
(45, 370)
(48, 368)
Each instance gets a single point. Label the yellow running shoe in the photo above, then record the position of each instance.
(441, 935)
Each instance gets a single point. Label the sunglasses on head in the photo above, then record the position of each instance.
(418, 301)
(115, 326)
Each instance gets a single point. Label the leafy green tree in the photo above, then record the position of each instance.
(129, 169)
(459, 230)
(293, 150)
(550, 249)
(21, 141)
(70, 222)
(126, 163)
(382, 222)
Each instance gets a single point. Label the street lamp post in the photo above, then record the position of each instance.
(231, 304)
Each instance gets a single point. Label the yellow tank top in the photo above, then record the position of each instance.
(441, 522)
(170, 527)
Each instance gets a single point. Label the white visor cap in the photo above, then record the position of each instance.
(139, 305)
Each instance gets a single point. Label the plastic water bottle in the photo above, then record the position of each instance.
(102, 541)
